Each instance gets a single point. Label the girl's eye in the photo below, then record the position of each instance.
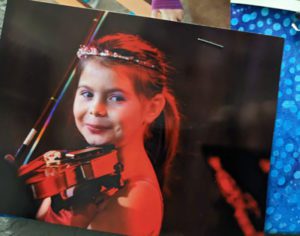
(86, 94)
(116, 98)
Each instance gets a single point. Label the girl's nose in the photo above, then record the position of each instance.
(98, 109)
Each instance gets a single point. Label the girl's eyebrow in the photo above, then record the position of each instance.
(84, 86)
(112, 90)
(115, 90)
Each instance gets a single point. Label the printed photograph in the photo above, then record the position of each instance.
(132, 125)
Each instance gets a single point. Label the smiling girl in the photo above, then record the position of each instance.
(123, 99)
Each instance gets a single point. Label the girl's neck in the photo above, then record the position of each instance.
(135, 160)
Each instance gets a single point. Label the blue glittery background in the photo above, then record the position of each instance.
(283, 201)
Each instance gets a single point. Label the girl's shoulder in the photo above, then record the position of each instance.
(139, 193)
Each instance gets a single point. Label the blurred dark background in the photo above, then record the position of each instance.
(227, 98)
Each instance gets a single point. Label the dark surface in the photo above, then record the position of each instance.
(20, 226)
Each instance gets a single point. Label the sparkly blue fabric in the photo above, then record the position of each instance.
(283, 201)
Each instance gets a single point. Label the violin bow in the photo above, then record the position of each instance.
(34, 136)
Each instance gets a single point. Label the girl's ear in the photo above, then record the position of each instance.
(154, 107)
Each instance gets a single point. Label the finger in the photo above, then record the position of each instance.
(173, 18)
(44, 207)
(172, 14)
(154, 13)
(165, 15)
(180, 16)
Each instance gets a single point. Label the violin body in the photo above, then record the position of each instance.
(58, 172)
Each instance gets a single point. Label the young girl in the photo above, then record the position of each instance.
(123, 99)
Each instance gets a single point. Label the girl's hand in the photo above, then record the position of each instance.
(168, 14)
(44, 207)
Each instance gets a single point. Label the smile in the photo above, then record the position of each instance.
(97, 129)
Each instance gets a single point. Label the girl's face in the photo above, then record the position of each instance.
(106, 108)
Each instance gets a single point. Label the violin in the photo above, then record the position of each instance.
(58, 172)
(61, 173)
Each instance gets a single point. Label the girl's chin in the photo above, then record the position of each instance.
(97, 143)
(96, 140)
(100, 142)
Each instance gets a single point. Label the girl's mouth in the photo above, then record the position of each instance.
(97, 129)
